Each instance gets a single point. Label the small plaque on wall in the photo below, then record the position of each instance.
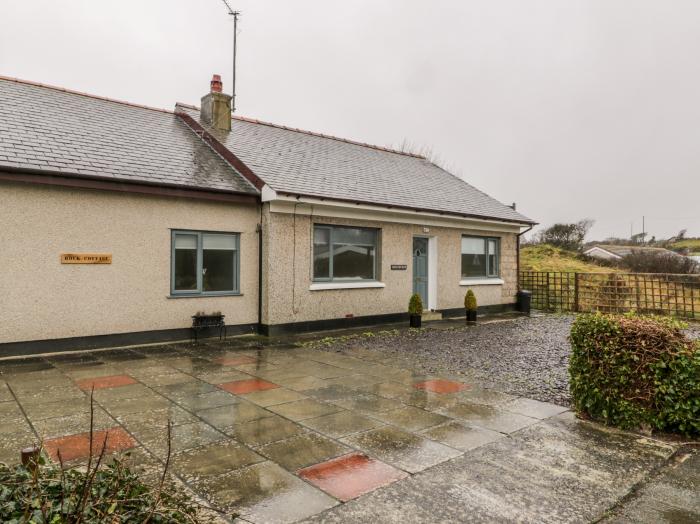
(399, 267)
(86, 258)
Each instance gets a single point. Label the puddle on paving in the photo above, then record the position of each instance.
(402, 449)
(302, 450)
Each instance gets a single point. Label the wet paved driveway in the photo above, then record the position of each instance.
(282, 433)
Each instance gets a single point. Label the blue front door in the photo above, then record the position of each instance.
(420, 268)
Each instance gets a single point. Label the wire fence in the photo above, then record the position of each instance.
(655, 293)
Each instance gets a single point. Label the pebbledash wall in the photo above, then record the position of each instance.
(289, 301)
(44, 299)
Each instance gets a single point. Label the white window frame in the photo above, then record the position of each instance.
(199, 292)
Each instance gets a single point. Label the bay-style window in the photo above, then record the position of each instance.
(204, 263)
(480, 257)
(343, 253)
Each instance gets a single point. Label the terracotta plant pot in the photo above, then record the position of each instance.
(414, 321)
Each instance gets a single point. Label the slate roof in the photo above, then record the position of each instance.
(304, 163)
(48, 129)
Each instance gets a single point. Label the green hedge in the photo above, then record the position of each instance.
(631, 372)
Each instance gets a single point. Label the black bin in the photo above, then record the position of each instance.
(524, 301)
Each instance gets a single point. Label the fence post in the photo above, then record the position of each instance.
(576, 306)
(548, 308)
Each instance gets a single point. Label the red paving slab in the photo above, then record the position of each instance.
(112, 381)
(350, 476)
(240, 387)
(236, 361)
(77, 446)
(441, 386)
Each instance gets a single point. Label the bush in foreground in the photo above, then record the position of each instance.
(633, 372)
(110, 493)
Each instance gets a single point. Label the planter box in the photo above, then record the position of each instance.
(414, 321)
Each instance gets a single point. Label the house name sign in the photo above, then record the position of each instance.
(399, 267)
(86, 258)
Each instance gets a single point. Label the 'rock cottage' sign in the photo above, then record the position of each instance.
(86, 258)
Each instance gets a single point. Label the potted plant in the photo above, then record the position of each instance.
(415, 310)
(470, 305)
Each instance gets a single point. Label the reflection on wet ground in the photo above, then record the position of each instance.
(282, 433)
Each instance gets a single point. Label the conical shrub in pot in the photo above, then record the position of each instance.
(470, 305)
(415, 310)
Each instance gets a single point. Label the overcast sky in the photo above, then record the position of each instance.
(572, 109)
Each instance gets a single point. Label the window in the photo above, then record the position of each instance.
(480, 257)
(344, 253)
(204, 263)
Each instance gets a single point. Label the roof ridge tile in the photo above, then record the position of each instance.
(82, 93)
(313, 133)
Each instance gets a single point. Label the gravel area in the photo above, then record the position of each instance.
(522, 356)
(526, 356)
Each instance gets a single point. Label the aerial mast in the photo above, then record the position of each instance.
(235, 15)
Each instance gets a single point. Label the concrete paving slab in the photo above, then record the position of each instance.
(302, 450)
(265, 430)
(368, 403)
(533, 408)
(303, 409)
(486, 396)
(411, 418)
(272, 397)
(5, 394)
(489, 417)
(120, 406)
(207, 400)
(38, 411)
(399, 448)
(185, 389)
(72, 424)
(332, 392)
(183, 437)
(342, 424)
(462, 436)
(301, 383)
(213, 459)
(264, 493)
(227, 416)
(166, 379)
(157, 418)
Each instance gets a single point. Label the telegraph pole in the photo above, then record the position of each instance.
(235, 15)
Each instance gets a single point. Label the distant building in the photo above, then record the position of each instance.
(613, 252)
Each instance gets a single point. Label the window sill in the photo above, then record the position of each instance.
(206, 296)
(322, 286)
(481, 282)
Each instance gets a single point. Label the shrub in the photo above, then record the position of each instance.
(470, 301)
(415, 305)
(632, 372)
(112, 493)
(659, 262)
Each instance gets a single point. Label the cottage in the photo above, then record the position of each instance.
(120, 222)
(618, 252)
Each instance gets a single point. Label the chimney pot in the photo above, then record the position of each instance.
(216, 106)
(216, 85)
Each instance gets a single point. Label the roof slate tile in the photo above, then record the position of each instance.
(54, 130)
(310, 164)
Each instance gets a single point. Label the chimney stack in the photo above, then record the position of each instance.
(216, 106)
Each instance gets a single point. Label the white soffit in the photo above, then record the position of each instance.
(333, 208)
